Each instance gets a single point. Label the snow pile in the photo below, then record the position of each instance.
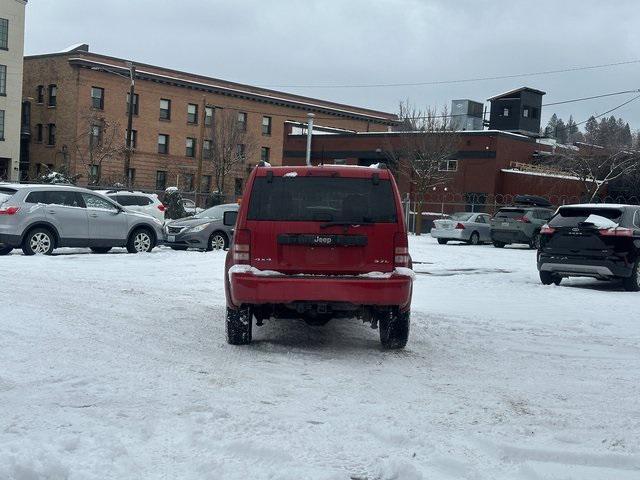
(291, 174)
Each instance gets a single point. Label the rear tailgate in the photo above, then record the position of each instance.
(336, 224)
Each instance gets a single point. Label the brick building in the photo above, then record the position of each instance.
(75, 96)
(489, 168)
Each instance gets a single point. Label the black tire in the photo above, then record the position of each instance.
(498, 244)
(39, 241)
(180, 248)
(239, 325)
(474, 239)
(632, 283)
(394, 328)
(535, 242)
(5, 250)
(547, 278)
(217, 241)
(442, 241)
(100, 249)
(141, 240)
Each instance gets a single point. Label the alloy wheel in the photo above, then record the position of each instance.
(217, 242)
(142, 242)
(40, 243)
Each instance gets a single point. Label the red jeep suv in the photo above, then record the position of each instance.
(319, 243)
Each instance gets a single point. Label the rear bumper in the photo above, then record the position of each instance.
(450, 234)
(573, 266)
(10, 240)
(247, 288)
(509, 236)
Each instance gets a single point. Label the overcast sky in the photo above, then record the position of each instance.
(329, 42)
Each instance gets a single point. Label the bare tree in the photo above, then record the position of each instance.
(423, 153)
(595, 166)
(100, 141)
(230, 145)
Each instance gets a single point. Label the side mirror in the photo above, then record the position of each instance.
(229, 218)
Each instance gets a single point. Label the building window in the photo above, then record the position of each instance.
(205, 184)
(39, 133)
(191, 147)
(1, 125)
(534, 112)
(165, 109)
(506, 111)
(206, 148)
(208, 116)
(266, 125)
(53, 95)
(448, 166)
(134, 138)
(525, 112)
(237, 188)
(240, 151)
(163, 143)
(52, 134)
(3, 79)
(40, 94)
(264, 154)
(4, 34)
(188, 182)
(192, 113)
(94, 173)
(97, 98)
(242, 121)
(95, 136)
(161, 180)
(135, 103)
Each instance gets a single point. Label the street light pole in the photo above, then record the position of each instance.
(309, 135)
(127, 153)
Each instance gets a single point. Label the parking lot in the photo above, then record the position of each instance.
(116, 366)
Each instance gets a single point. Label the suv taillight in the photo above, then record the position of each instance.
(547, 230)
(401, 256)
(616, 232)
(242, 247)
(9, 210)
(161, 207)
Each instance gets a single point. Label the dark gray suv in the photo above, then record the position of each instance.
(211, 229)
(40, 218)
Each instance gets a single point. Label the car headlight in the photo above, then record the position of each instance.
(198, 228)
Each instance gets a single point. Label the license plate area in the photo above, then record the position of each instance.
(313, 240)
(171, 238)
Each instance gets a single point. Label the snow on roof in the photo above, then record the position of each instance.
(598, 205)
(75, 46)
(240, 91)
(539, 174)
(457, 132)
(516, 90)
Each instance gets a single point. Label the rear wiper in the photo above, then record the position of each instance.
(352, 224)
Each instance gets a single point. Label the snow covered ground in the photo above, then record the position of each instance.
(116, 367)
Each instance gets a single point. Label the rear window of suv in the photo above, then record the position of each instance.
(132, 200)
(6, 193)
(511, 213)
(571, 217)
(322, 199)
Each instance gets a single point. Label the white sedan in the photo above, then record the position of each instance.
(472, 228)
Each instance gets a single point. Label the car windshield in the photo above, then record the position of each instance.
(214, 213)
(572, 217)
(511, 213)
(322, 199)
(461, 216)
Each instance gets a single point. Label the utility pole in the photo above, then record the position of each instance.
(309, 135)
(127, 153)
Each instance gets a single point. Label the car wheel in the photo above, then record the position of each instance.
(217, 241)
(498, 244)
(535, 242)
(5, 250)
(547, 278)
(238, 326)
(100, 249)
(140, 241)
(39, 241)
(474, 239)
(442, 241)
(632, 283)
(394, 328)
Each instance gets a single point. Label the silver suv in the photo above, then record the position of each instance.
(40, 218)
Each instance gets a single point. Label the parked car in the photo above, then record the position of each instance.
(190, 207)
(211, 229)
(522, 222)
(40, 218)
(148, 203)
(319, 243)
(473, 228)
(592, 240)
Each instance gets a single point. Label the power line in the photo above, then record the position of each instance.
(590, 98)
(464, 80)
(609, 111)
